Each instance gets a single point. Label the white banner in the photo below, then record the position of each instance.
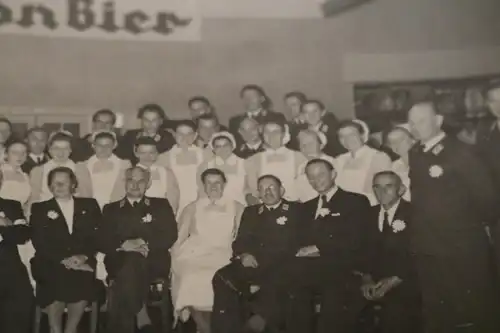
(153, 20)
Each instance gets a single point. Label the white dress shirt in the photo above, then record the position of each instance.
(37, 158)
(390, 215)
(273, 207)
(329, 196)
(68, 209)
(434, 141)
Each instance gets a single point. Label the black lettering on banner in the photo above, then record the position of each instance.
(166, 22)
(28, 16)
(5, 14)
(109, 21)
(133, 21)
(80, 15)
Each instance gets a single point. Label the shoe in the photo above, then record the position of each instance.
(256, 323)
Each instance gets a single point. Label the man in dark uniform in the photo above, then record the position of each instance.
(391, 278)
(16, 293)
(249, 285)
(36, 139)
(252, 142)
(102, 120)
(153, 120)
(452, 197)
(330, 253)
(257, 106)
(136, 235)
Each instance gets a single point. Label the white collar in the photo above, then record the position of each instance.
(360, 152)
(152, 167)
(280, 150)
(273, 207)
(132, 201)
(219, 202)
(231, 160)
(390, 215)
(434, 141)
(65, 202)
(189, 148)
(254, 146)
(254, 113)
(69, 163)
(36, 157)
(330, 193)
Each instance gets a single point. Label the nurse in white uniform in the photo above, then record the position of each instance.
(163, 183)
(311, 144)
(207, 229)
(400, 140)
(223, 144)
(356, 168)
(60, 150)
(276, 160)
(107, 171)
(184, 160)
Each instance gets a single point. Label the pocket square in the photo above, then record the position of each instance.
(335, 214)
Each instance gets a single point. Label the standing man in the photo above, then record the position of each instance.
(16, 293)
(391, 278)
(452, 197)
(36, 139)
(330, 253)
(102, 121)
(152, 118)
(266, 239)
(252, 141)
(136, 235)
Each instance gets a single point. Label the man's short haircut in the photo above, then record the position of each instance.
(388, 173)
(152, 108)
(272, 177)
(145, 172)
(145, 141)
(66, 170)
(296, 94)
(316, 102)
(36, 129)
(320, 161)
(207, 117)
(279, 123)
(267, 103)
(213, 172)
(185, 123)
(104, 112)
(432, 103)
(353, 124)
(105, 135)
(201, 99)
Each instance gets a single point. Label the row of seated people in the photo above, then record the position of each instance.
(233, 268)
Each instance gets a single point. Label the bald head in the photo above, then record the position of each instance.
(424, 121)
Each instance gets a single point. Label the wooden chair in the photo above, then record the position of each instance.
(93, 309)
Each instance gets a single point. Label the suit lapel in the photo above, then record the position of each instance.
(54, 206)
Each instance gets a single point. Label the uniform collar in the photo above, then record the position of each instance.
(434, 141)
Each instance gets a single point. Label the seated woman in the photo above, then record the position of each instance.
(64, 237)
(400, 141)
(163, 182)
(184, 159)
(60, 150)
(16, 186)
(208, 227)
(356, 168)
(223, 145)
(311, 146)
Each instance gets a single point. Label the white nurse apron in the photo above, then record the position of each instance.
(103, 175)
(281, 164)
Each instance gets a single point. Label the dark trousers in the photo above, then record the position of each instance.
(16, 301)
(401, 311)
(458, 293)
(234, 303)
(335, 289)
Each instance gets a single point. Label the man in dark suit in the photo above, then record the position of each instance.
(452, 197)
(153, 120)
(16, 293)
(136, 235)
(257, 106)
(329, 255)
(390, 274)
(37, 145)
(252, 142)
(266, 239)
(102, 121)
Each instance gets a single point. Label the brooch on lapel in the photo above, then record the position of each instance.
(84, 212)
(261, 210)
(436, 171)
(398, 226)
(157, 137)
(324, 128)
(285, 207)
(2, 214)
(147, 219)
(147, 202)
(436, 150)
(52, 215)
(281, 220)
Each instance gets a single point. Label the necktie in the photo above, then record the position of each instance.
(324, 201)
(386, 224)
(40, 160)
(135, 204)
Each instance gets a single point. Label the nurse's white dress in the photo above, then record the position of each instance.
(401, 169)
(184, 163)
(355, 172)
(163, 184)
(236, 174)
(206, 233)
(305, 191)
